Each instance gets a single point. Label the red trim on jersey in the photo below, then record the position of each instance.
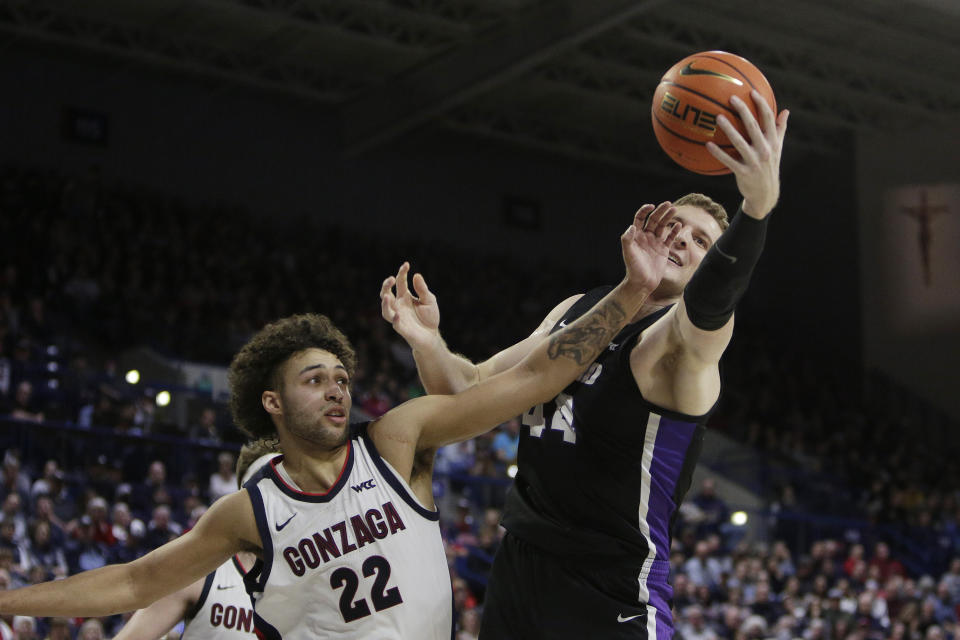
(273, 466)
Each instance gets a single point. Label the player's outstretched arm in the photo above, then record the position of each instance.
(555, 362)
(153, 622)
(415, 315)
(703, 321)
(225, 529)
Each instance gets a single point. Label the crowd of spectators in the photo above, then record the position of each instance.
(89, 270)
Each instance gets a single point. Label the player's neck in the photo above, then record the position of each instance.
(653, 304)
(314, 471)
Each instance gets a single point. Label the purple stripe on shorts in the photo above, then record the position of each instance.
(669, 455)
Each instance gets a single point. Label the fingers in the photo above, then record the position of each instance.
(671, 235)
(640, 217)
(782, 126)
(736, 138)
(420, 287)
(722, 156)
(388, 303)
(767, 117)
(659, 219)
(387, 286)
(402, 289)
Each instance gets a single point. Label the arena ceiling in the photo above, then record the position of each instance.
(571, 77)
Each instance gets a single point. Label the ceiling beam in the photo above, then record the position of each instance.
(535, 35)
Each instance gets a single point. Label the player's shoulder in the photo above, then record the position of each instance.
(573, 307)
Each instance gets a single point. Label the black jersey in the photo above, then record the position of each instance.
(601, 469)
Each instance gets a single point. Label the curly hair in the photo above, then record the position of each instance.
(256, 367)
(709, 205)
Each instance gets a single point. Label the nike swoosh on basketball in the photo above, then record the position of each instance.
(220, 587)
(690, 71)
(620, 617)
(285, 523)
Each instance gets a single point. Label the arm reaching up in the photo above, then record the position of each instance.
(416, 317)
(554, 362)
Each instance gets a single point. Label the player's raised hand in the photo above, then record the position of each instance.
(646, 244)
(413, 314)
(758, 169)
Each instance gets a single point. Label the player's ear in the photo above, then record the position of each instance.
(271, 402)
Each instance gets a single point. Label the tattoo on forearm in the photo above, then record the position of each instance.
(582, 344)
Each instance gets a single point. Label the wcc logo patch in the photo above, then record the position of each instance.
(366, 484)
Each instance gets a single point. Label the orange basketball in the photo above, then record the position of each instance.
(690, 96)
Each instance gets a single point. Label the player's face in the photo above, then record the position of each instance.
(315, 400)
(698, 231)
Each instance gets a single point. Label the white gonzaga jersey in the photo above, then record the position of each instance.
(224, 610)
(365, 560)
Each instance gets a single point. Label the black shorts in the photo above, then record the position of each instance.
(533, 595)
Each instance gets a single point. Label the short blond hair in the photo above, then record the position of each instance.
(706, 203)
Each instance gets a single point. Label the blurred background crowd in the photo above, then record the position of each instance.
(861, 517)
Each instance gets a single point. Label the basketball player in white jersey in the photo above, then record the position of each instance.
(603, 466)
(216, 607)
(344, 524)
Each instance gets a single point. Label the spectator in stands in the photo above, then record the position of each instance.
(44, 552)
(765, 604)
(133, 546)
(122, 520)
(944, 607)
(85, 552)
(50, 482)
(102, 528)
(19, 559)
(161, 529)
(25, 405)
(12, 510)
(866, 617)
(715, 512)
(91, 629)
(505, 443)
(60, 629)
(224, 479)
(469, 625)
(732, 618)
(206, 430)
(457, 458)
(24, 628)
(701, 568)
(14, 479)
(45, 510)
(888, 566)
(693, 625)
(153, 490)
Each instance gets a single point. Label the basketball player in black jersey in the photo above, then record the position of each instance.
(604, 465)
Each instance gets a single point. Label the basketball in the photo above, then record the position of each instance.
(690, 96)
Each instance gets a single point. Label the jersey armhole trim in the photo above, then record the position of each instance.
(263, 527)
(394, 480)
(264, 630)
(195, 609)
